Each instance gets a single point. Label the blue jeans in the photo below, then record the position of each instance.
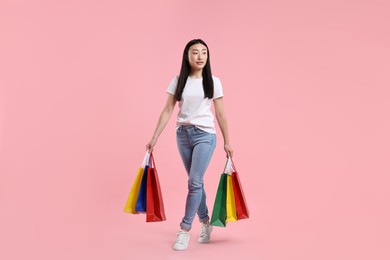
(196, 148)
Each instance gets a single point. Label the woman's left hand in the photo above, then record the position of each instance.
(228, 150)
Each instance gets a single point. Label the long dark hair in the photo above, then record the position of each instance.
(208, 83)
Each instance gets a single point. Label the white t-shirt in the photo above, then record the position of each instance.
(194, 108)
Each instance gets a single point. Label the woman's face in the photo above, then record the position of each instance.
(197, 56)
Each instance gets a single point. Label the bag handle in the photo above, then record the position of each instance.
(146, 159)
(229, 168)
(152, 164)
(233, 166)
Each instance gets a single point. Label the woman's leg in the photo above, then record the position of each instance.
(203, 145)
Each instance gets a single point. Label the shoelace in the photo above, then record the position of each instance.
(181, 237)
(203, 231)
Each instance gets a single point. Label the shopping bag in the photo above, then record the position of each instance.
(154, 205)
(133, 195)
(218, 218)
(140, 207)
(231, 214)
(239, 198)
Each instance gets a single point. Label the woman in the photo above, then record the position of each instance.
(195, 88)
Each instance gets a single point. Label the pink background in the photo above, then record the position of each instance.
(306, 88)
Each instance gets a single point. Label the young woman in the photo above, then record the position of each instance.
(195, 89)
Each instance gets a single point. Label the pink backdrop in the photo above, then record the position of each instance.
(306, 88)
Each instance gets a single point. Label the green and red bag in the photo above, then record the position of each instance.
(230, 204)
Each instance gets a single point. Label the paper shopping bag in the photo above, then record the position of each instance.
(133, 195)
(154, 205)
(218, 218)
(239, 198)
(231, 214)
(141, 201)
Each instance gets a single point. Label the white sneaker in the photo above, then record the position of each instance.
(205, 231)
(182, 240)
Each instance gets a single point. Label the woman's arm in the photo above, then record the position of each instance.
(223, 125)
(165, 115)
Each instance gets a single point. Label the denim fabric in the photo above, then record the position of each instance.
(196, 148)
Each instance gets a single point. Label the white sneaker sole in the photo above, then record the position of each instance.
(179, 249)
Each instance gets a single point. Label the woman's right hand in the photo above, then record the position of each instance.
(150, 144)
